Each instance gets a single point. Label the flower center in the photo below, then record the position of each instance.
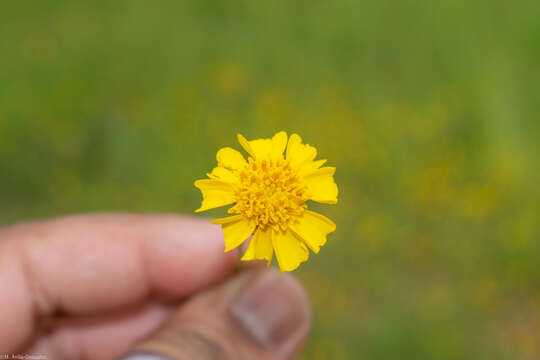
(269, 192)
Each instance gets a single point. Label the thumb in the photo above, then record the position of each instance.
(258, 314)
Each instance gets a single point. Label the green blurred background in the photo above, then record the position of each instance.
(430, 110)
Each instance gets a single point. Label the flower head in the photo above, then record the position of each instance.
(269, 192)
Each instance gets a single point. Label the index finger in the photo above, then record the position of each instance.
(93, 263)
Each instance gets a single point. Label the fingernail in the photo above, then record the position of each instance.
(144, 355)
(273, 310)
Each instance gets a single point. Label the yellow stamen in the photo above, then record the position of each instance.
(269, 192)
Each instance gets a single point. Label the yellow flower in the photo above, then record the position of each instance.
(269, 193)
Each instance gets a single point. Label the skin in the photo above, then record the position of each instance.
(88, 286)
(99, 286)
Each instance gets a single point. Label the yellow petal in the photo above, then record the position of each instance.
(262, 148)
(230, 159)
(290, 252)
(226, 220)
(279, 142)
(260, 247)
(250, 252)
(236, 230)
(220, 173)
(312, 228)
(321, 185)
(298, 153)
(265, 148)
(245, 144)
(215, 193)
(310, 166)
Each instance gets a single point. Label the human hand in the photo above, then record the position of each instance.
(150, 286)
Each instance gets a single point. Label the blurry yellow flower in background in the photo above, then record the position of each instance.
(269, 193)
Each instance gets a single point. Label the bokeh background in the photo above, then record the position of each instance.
(430, 110)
